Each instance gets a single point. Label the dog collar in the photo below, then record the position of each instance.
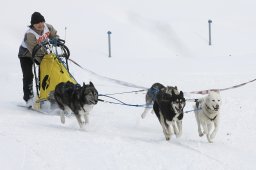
(212, 119)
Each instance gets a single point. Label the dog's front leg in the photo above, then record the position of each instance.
(209, 129)
(80, 120)
(165, 130)
(62, 116)
(198, 124)
(166, 133)
(164, 125)
(86, 117)
(169, 129)
(216, 127)
(205, 128)
(179, 124)
(175, 128)
(146, 110)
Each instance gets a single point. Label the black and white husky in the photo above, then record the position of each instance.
(168, 105)
(77, 99)
(207, 112)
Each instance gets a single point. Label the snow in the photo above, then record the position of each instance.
(162, 41)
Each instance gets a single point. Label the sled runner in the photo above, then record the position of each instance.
(50, 69)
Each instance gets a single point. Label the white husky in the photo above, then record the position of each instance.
(207, 115)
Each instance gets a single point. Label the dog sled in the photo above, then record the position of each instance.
(50, 70)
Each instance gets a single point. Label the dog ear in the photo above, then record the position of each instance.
(181, 93)
(173, 93)
(91, 84)
(165, 96)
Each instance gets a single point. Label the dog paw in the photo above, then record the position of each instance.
(168, 137)
(142, 116)
(201, 134)
(62, 118)
(213, 135)
(209, 139)
(178, 135)
(205, 132)
(82, 125)
(82, 119)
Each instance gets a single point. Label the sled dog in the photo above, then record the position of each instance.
(168, 107)
(77, 99)
(151, 96)
(207, 112)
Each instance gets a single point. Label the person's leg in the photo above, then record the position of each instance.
(26, 66)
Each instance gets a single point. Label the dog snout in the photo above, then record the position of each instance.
(216, 108)
(94, 101)
(181, 106)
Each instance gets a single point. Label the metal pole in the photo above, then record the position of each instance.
(65, 33)
(109, 44)
(210, 36)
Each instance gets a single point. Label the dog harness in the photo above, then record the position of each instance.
(212, 119)
(153, 92)
(197, 106)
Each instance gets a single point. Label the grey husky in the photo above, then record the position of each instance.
(77, 99)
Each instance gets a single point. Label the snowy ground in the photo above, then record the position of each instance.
(162, 41)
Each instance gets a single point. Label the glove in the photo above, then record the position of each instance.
(54, 41)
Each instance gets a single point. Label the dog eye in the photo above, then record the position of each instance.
(213, 100)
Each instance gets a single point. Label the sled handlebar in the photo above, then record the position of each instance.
(57, 42)
(53, 42)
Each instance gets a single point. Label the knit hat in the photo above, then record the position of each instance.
(36, 18)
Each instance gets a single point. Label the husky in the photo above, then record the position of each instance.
(151, 96)
(77, 99)
(168, 107)
(207, 112)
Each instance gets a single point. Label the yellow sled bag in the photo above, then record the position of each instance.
(53, 67)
